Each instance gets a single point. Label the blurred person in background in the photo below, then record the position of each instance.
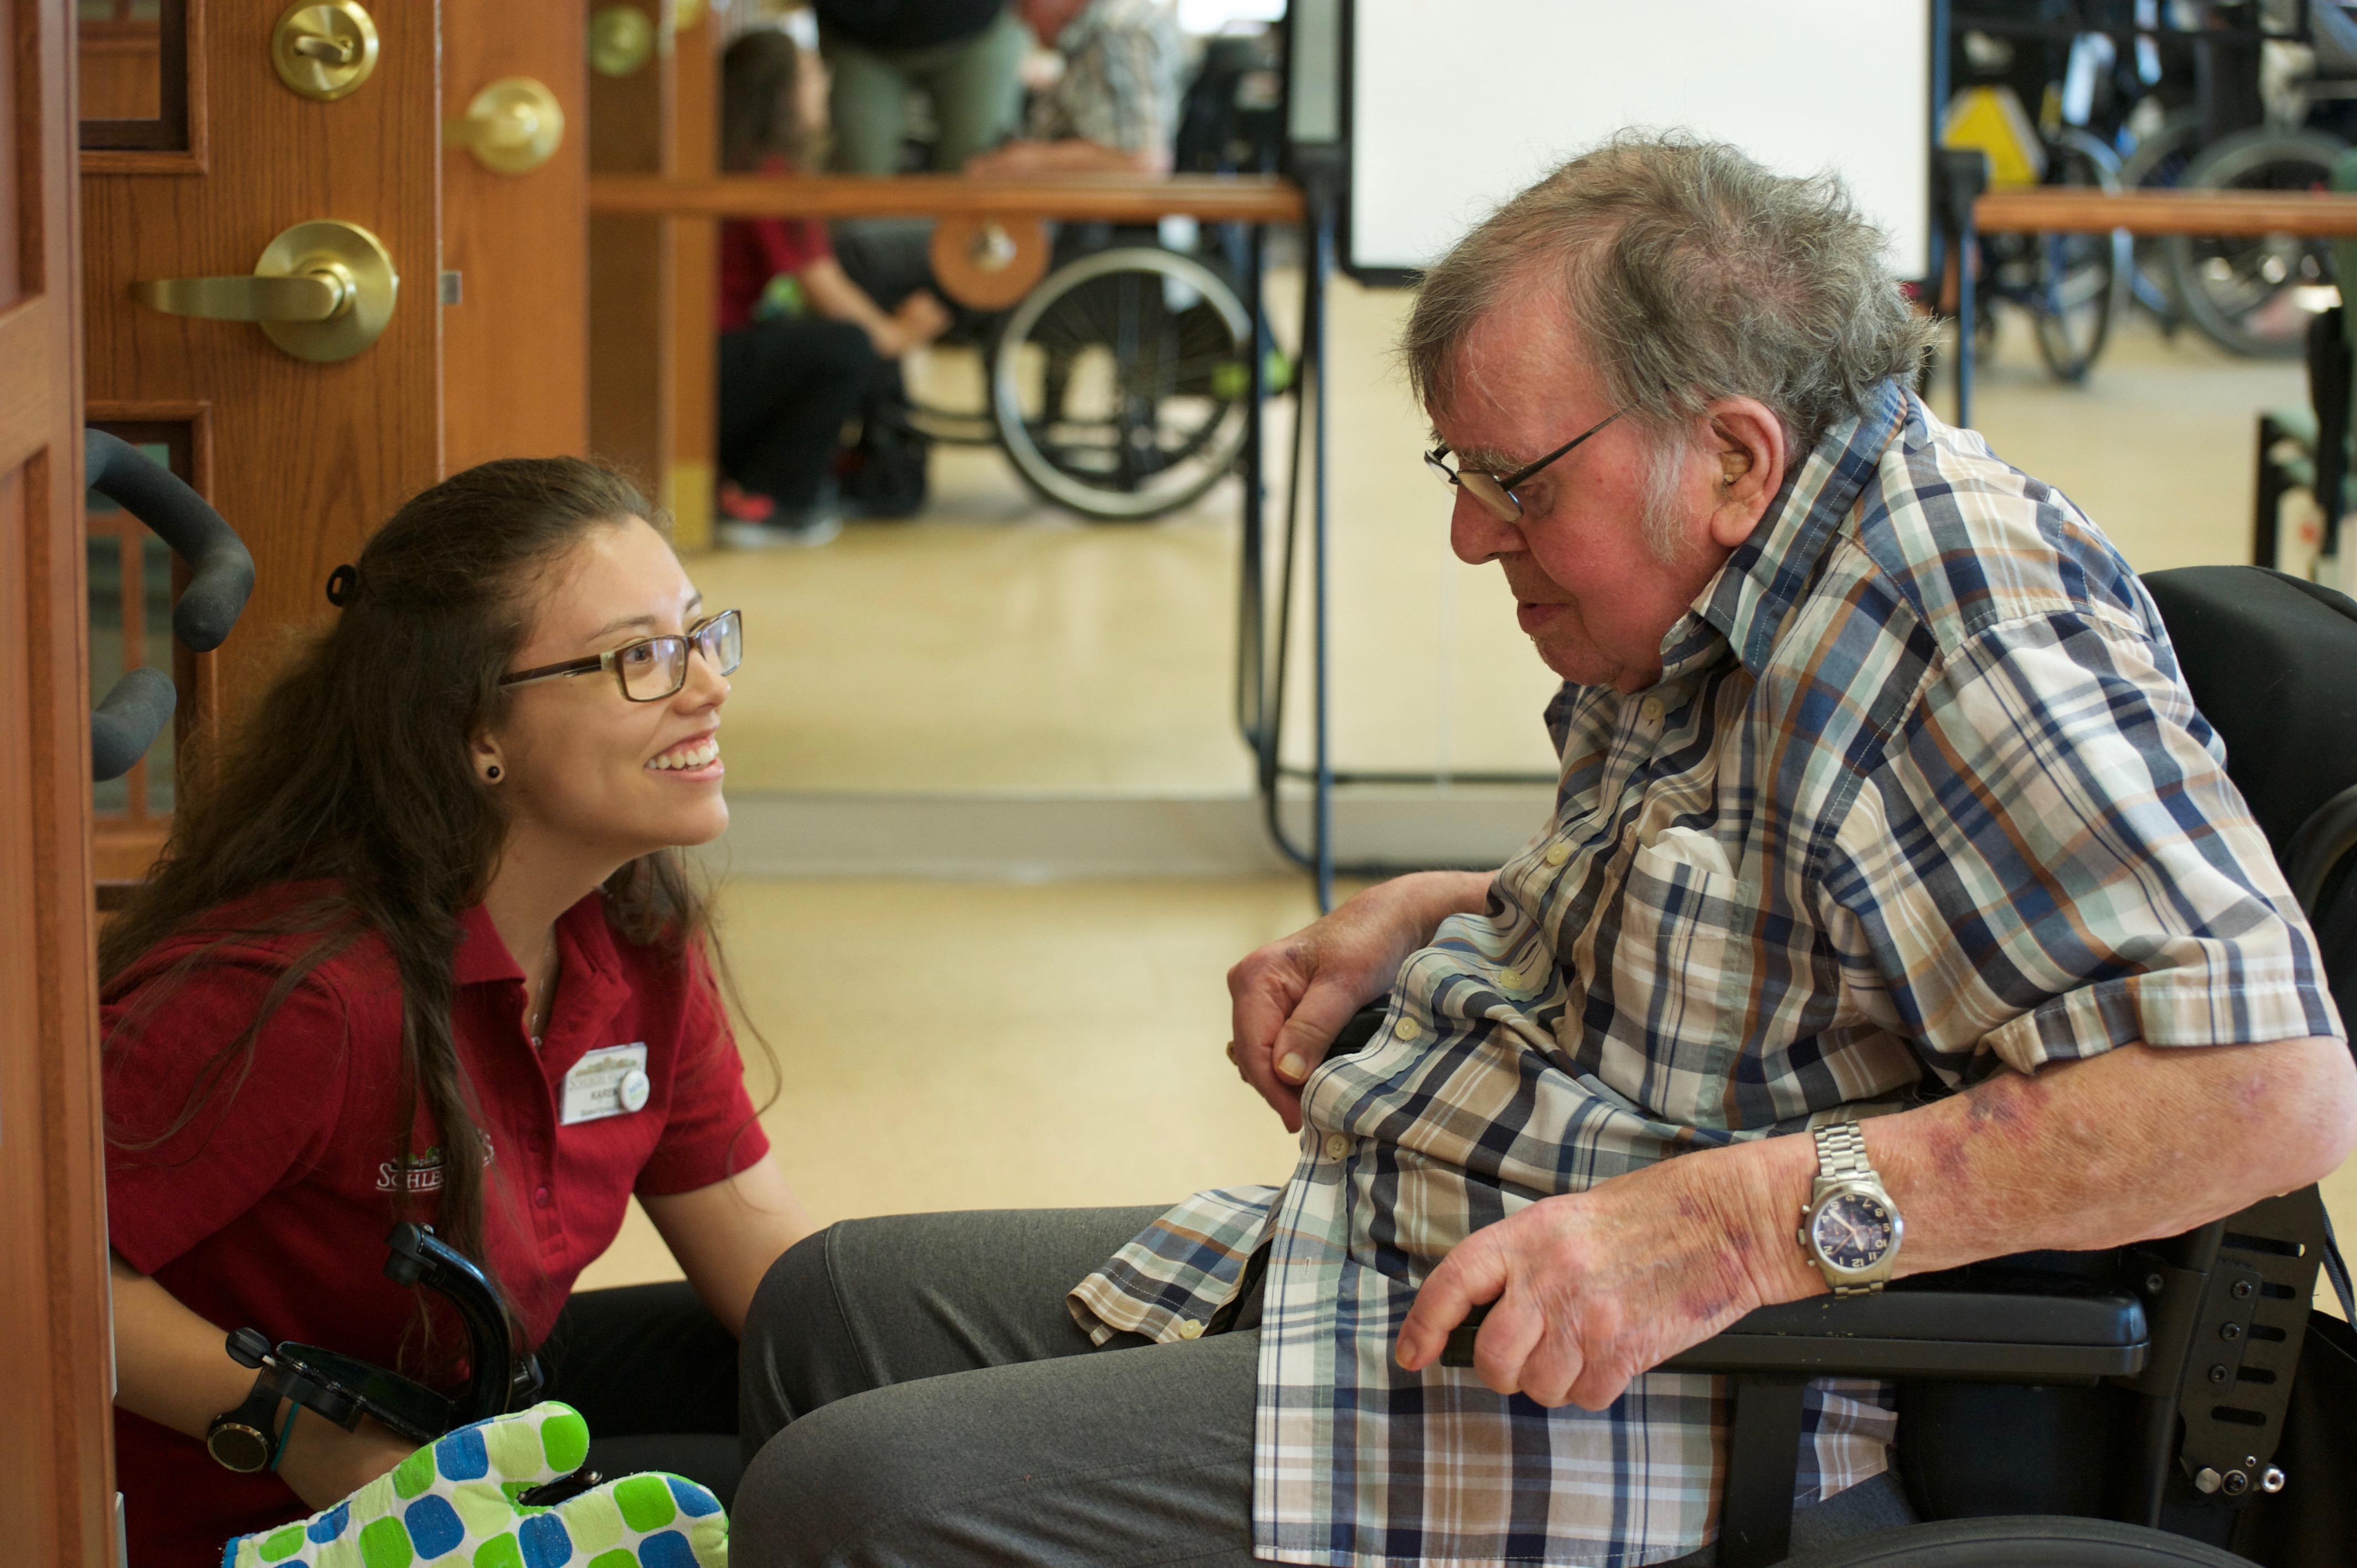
(965, 54)
(803, 348)
(1112, 106)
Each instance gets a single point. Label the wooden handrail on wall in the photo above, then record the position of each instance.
(2057, 211)
(1104, 199)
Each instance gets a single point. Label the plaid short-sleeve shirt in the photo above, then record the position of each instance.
(1919, 798)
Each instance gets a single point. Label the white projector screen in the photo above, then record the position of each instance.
(1453, 105)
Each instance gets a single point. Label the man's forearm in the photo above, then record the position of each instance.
(2136, 1144)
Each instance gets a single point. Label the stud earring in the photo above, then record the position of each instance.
(491, 774)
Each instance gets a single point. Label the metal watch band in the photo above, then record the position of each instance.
(1841, 1153)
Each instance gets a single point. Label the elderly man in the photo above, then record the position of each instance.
(1887, 845)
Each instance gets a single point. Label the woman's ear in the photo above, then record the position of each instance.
(1745, 442)
(491, 764)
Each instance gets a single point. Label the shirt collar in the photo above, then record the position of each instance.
(1746, 602)
(483, 959)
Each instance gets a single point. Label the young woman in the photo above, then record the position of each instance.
(434, 873)
(800, 344)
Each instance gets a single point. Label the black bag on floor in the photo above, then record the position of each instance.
(884, 474)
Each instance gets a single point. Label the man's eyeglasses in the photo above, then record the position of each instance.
(654, 668)
(1496, 492)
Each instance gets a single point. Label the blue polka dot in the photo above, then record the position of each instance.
(544, 1542)
(693, 1500)
(329, 1525)
(669, 1549)
(462, 1456)
(434, 1527)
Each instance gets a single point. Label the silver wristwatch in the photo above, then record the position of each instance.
(1849, 1228)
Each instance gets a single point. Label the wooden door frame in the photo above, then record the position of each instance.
(57, 1452)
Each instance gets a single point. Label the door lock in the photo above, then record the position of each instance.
(513, 126)
(323, 51)
(323, 291)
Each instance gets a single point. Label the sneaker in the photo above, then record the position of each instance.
(737, 504)
(804, 530)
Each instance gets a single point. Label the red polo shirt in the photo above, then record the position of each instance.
(269, 1210)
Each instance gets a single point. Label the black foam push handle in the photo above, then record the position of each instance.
(223, 570)
(127, 720)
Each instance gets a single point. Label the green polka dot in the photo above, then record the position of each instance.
(500, 1551)
(414, 1474)
(384, 1543)
(614, 1560)
(484, 1510)
(592, 1520)
(284, 1544)
(515, 1451)
(709, 1539)
(564, 1438)
(645, 1502)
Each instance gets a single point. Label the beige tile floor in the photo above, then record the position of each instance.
(959, 1046)
(1000, 645)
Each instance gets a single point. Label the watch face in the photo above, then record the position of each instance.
(237, 1446)
(1851, 1232)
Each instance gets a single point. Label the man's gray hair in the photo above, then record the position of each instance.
(1687, 272)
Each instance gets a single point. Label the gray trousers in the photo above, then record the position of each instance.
(915, 1392)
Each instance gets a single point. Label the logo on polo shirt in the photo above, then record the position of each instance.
(419, 1172)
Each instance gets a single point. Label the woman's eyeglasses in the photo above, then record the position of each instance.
(654, 668)
(1496, 492)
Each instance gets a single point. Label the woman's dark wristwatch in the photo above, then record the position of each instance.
(249, 1438)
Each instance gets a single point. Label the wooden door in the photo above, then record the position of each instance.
(653, 281)
(515, 348)
(57, 1485)
(303, 458)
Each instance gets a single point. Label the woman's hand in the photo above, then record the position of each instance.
(325, 1464)
(1292, 997)
(918, 321)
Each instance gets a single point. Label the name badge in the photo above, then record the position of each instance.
(608, 1082)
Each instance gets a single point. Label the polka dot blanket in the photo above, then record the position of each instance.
(453, 1505)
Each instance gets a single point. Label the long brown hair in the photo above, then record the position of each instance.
(353, 774)
(760, 92)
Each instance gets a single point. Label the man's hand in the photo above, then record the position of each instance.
(1593, 1288)
(919, 319)
(1292, 997)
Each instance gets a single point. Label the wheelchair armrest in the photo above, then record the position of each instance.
(2065, 1332)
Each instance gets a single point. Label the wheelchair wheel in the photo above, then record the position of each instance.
(2028, 1540)
(1120, 386)
(2243, 291)
(2159, 162)
(2078, 277)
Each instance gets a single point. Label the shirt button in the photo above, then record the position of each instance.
(1190, 1330)
(1512, 979)
(542, 1197)
(1557, 854)
(1406, 1028)
(1650, 708)
(1337, 1145)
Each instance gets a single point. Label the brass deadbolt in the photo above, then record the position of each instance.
(322, 291)
(323, 51)
(513, 126)
(621, 39)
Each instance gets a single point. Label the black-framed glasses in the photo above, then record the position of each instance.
(654, 668)
(1496, 492)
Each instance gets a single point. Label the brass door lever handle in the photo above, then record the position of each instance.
(322, 291)
(312, 296)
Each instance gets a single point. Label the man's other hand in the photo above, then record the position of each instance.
(1293, 996)
(1590, 1289)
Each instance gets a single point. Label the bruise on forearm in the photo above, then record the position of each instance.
(2134, 1144)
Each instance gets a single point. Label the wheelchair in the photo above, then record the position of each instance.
(2172, 1402)
(1120, 386)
